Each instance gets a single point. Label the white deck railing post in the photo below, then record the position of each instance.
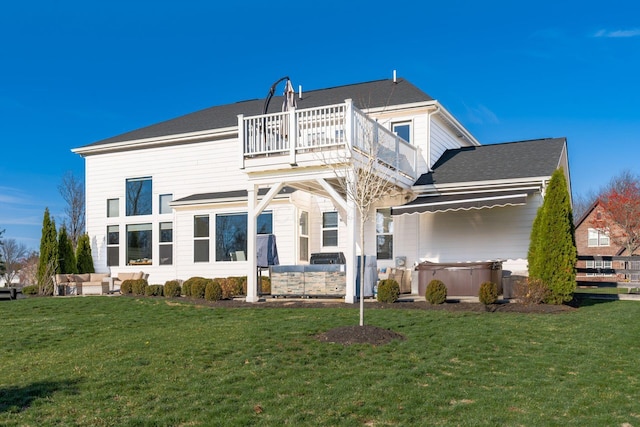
(292, 136)
(241, 139)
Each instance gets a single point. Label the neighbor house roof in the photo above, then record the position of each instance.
(375, 94)
(513, 160)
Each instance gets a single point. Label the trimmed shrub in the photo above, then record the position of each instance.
(265, 285)
(139, 287)
(186, 286)
(436, 292)
(198, 287)
(227, 285)
(172, 288)
(488, 293)
(388, 290)
(30, 290)
(154, 291)
(126, 287)
(531, 291)
(213, 291)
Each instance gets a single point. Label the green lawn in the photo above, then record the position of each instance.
(120, 361)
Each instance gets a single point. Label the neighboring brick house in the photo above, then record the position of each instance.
(590, 241)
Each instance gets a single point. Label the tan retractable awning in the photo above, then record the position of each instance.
(467, 201)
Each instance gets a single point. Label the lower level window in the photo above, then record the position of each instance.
(139, 240)
(165, 251)
(113, 245)
(330, 229)
(231, 234)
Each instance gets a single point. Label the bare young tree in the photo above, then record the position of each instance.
(366, 176)
(13, 254)
(72, 191)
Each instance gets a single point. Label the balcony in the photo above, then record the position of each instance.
(320, 137)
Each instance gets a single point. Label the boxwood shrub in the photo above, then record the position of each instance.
(172, 288)
(488, 293)
(139, 287)
(388, 290)
(126, 287)
(436, 292)
(154, 291)
(213, 291)
(186, 286)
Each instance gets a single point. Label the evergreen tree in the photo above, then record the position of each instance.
(553, 248)
(66, 256)
(83, 255)
(3, 266)
(532, 256)
(48, 263)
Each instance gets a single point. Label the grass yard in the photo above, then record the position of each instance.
(120, 361)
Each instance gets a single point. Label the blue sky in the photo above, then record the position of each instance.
(72, 73)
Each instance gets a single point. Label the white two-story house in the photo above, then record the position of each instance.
(189, 196)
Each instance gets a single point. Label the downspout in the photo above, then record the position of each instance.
(429, 114)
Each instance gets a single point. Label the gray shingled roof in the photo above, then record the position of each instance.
(511, 160)
(225, 195)
(374, 94)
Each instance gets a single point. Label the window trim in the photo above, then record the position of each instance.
(165, 244)
(115, 246)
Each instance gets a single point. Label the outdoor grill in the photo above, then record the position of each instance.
(327, 258)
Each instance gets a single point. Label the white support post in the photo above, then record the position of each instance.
(352, 265)
(252, 253)
(348, 124)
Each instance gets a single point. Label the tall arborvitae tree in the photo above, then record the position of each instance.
(532, 256)
(66, 256)
(48, 263)
(83, 255)
(553, 249)
(3, 266)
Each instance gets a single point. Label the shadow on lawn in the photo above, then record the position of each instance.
(18, 399)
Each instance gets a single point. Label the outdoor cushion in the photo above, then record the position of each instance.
(97, 277)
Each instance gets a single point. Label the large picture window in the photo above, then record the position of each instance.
(139, 196)
(384, 234)
(231, 234)
(139, 239)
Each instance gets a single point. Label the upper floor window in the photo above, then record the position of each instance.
(330, 229)
(384, 234)
(402, 129)
(165, 199)
(139, 197)
(598, 238)
(113, 208)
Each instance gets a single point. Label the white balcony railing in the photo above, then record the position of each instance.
(330, 127)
